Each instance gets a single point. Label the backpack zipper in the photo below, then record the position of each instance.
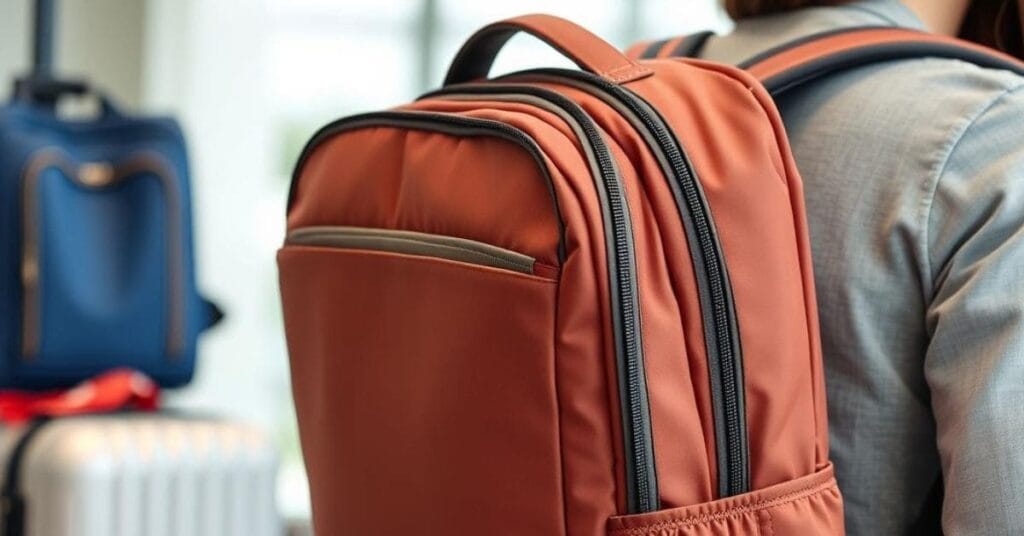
(722, 340)
(640, 471)
(412, 243)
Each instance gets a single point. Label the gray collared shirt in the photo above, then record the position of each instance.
(914, 173)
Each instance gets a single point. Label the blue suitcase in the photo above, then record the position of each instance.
(96, 253)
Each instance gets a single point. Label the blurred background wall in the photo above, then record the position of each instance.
(251, 80)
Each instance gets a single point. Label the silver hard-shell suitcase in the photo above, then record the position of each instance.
(142, 474)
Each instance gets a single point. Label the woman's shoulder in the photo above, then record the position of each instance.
(910, 105)
(942, 78)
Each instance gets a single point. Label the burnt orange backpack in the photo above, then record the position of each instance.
(558, 302)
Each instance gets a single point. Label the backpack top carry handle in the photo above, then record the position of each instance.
(588, 51)
(803, 60)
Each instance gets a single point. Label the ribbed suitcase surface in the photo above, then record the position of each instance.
(154, 475)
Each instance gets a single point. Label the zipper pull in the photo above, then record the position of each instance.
(96, 174)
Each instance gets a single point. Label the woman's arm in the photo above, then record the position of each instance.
(975, 359)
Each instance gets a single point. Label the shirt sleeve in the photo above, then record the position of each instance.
(974, 364)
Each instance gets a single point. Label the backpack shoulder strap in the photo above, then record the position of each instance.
(691, 45)
(790, 65)
(811, 57)
(686, 46)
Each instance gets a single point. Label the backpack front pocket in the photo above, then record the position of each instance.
(423, 376)
(102, 263)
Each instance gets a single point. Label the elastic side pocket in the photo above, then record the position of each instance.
(807, 506)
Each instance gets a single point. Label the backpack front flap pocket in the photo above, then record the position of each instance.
(103, 268)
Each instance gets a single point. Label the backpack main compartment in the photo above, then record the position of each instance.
(558, 302)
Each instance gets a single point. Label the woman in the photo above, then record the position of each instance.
(914, 173)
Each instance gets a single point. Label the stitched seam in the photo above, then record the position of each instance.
(927, 203)
(627, 77)
(625, 72)
(809, 491)
(622, 69)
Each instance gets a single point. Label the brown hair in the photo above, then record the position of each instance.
(993, 23)
(739, 9)
(997, 24)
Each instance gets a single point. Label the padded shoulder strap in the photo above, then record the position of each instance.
(816, 56)
(686, 46)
